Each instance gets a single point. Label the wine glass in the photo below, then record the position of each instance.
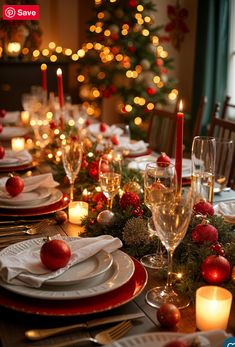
(171, 219)
(203, 167)
(159, 185)
(223, 163)
(72, 159)
(110, 170)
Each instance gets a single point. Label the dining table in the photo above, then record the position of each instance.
(19, 314)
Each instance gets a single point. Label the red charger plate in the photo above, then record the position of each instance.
(19, 167)
(147, 152)
(38, 211)
(99, 303)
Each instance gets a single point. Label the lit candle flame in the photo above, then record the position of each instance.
(59, 72)
(44, 67)
(181, 106)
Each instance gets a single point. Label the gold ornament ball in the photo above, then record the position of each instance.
(133, 187)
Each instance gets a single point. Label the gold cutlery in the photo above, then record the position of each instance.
(38, 334)
(103, 338)
(28, 229)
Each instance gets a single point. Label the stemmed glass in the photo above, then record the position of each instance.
(171, 219)
(223, 163)
(110, 170)
(72, 159)
(203, 167)
(159, 186)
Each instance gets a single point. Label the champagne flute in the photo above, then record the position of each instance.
(110, 170)
(203, 167)
(72, 159)
(159, 185)
(171, 219)
(223, 163)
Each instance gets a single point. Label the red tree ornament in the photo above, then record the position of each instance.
(215, 269)
(129, 199)
(204, 232)
(204, 208)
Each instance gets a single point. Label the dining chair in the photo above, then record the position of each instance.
(228, 109)
(223, 129)
(199, 116)
(161, 132)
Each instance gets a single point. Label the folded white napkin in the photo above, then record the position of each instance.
(16, 158)
(133, 147)
(25, 268)
(227, 210)
(31, 183)
(94, 129)
(211, 338)
(11, 117)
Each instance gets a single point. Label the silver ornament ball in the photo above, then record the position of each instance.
(105, 217)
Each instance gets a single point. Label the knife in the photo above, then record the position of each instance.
(38, 334)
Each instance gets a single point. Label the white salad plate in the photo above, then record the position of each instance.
(10, 132)
(26, 199)
(112, 278)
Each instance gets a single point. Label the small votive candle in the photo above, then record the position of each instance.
(24, 115)
(17, 143)
(213, 306)
(77, 211)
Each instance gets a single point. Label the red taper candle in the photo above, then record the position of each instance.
(44, 76)
(60, 87)
(179, 145)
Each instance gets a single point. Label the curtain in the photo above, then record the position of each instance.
(211, 56)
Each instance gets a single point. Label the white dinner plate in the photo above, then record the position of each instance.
(118, 274)
(10, 132)
(157, 340)
(26, 199)
(54, 196)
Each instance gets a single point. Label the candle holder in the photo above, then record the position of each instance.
(77, 211)
(213, 306)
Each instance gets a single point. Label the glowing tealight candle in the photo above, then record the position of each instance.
(24, 115)
(77, 211)
(17, 143)
(213, 306)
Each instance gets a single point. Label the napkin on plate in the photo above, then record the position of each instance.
(110, 130)
(25, 268)
(227, 210)
(133, 147)
(15, 158)
(11, 117)
(30, 183)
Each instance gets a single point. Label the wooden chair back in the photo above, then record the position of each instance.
(161, 132)
(223, 129)
(228, 109)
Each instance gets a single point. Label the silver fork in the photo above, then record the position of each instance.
(30, 229)
(103, 338)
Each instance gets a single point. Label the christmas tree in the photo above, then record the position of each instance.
(125, 57)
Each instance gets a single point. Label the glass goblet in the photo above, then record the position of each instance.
(171, 219)
(72, 159)
(159, 185)
(110, 170)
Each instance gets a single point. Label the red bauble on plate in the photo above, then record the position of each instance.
(203, 207)
(168, 315)
(2, 152)
(55, 254)
(163, 160)
(103, 127)
(215, 269)
(14, 185)
(2, 113)
(115, 140)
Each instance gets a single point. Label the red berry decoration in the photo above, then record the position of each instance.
(1, 127)
(55, 254)
(103, 127)
(204, 232)
(163, 160)
(53, 125)
(151, 91)
(2, 152)
(203, 207)
(217, 248)
(215, 269)
(2, 113)
(132, 3)
(168, 315)
(14, 185)
(87, 122)
(177, 343)
(129, 199)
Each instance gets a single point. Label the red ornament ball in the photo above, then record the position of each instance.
(103, 127)
(55, 254)
(61, 217)
(168, 315)
(2, 152)
(14, 185)
(151, 91)
(163, 160)
(176, 343)
(115, 140)
(129, 199)
(215, 269)
(203, 207)
(2, 113)
(132, 3)
(204, 233)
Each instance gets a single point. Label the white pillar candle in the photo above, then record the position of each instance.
(213, 306)
(77, 211)
(17, 143)
(24, 115)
